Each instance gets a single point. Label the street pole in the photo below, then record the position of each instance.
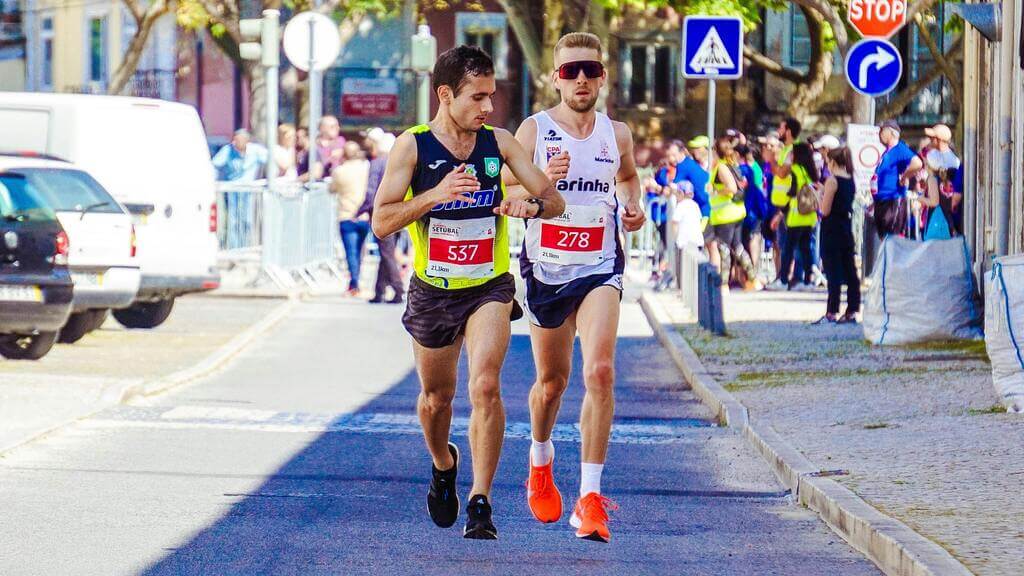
(422, 58)
(315, 98)
(423, 99)
(271, 68)
(711, 118)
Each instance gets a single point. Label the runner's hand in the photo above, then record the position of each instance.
(516, 208)
(457, 185)
(633, 219)
(558, 166)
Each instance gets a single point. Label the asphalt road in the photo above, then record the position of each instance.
(303, 456)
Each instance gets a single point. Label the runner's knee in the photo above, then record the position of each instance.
(552, 386)
(599, 377)
(438, 400)
(485, 389)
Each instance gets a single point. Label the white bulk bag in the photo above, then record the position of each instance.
(1004, 329)
(920, 292)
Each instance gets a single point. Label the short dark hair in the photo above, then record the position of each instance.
(454, 66)
(793, 125)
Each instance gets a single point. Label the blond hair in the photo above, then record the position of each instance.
(578, 40)
(285, 130)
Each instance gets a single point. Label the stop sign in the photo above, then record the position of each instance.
(877, 18)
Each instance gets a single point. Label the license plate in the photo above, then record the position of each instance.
(88, 279)
(20, 293)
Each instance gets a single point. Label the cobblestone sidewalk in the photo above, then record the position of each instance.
(916, 431)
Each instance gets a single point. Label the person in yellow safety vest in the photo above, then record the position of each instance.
(800, 227)
(727, 214)
(782, 181)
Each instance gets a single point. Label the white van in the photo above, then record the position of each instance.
(151, 155)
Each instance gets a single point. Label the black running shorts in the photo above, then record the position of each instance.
(436, 317)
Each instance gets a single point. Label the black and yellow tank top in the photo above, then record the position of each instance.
(459, 244)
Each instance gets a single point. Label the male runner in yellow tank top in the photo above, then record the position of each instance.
(443, 180)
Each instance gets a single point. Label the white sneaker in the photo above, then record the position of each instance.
(778, 284)
(801, 287)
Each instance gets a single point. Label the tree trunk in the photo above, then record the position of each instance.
(819, 71)
(130, 62)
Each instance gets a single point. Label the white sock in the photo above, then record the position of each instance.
(590, 478)
(542, 453)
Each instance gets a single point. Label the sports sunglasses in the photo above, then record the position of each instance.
(571, 70)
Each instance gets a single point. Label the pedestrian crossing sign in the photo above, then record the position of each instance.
(712, 47)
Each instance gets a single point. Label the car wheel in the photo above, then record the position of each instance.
(27, 347)
(76, 327)
(99, 317)
(145, 314)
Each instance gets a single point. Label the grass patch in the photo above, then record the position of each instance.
(876, 426)
(782, 377)
(994, 409)
(974, 347)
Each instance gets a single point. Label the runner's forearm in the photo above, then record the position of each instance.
(391, 217)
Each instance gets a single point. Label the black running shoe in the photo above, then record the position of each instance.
(442, 498)
(479, 525)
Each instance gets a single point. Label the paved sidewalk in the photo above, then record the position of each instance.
(76, 379)
(916, 430)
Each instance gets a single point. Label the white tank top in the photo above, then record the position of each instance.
(584, 241)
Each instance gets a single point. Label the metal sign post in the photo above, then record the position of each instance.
(315, 96)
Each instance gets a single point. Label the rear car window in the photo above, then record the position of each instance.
(67, 190)
(18, 199)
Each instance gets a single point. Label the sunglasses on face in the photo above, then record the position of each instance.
(571, 70)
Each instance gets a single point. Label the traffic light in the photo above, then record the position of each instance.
(267, 38)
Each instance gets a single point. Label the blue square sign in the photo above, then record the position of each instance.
(712, 47)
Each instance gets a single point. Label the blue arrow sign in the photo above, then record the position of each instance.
(873, 67)
(712, 47)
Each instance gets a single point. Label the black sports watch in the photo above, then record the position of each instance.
(540, 207)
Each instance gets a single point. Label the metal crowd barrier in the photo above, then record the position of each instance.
(290, 229)
(686, 271)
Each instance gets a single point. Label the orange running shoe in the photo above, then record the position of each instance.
(541, 493)
(590, 517)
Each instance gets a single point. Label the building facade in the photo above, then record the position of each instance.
(993, 121)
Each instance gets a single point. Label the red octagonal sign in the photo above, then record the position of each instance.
(877, 18)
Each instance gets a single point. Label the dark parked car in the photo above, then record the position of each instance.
(35, 286)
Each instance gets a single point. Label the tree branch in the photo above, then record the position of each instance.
(529, 42)
(907, 95)
(830, 15)
(135, 9)
(940, 58)
(772, 67)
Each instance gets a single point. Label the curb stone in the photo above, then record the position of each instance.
(891, 545)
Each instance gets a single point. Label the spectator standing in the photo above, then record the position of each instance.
(692, 172)
(892, 175)
(349, 182)
(284, 152)
(799, 227)
(688, 221)
(782, 183)
(379, 144)
(302, 153)
(330, 146)
(727, 215)
(242, 160)
(942, 197)
(837, 245)
(756, 202)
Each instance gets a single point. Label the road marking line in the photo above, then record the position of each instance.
(652, 431)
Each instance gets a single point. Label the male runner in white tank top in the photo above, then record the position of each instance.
(572, 266)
